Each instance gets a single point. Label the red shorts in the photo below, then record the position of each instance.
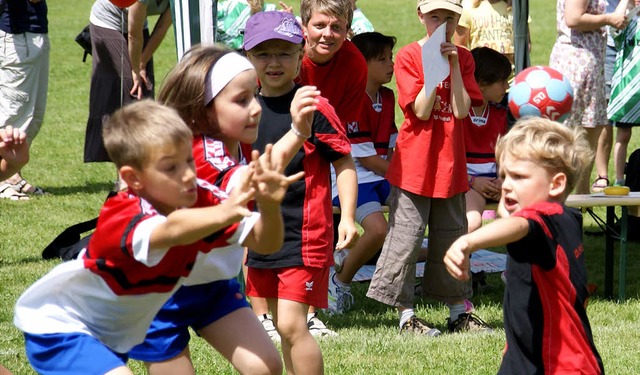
(309, 285)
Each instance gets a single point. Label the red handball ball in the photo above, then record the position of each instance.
(123, 3)
(542, 92)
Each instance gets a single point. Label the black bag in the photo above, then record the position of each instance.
(68, 244)
(84, 40)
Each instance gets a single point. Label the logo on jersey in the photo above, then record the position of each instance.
(352, 127)
(215, 154)
(308, 285)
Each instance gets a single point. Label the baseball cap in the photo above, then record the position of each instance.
(427, 6)
(275, 24)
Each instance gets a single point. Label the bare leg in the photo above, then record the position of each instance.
(180, 364)
(603, 153)
(582, 187)
(623, 135)
(475, 206)
(300, 350)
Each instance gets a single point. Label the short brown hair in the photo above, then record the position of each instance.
(341, 9)
(555, 147)
(135, 130)
(183, 88)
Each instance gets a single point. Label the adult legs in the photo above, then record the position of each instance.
(623, 135)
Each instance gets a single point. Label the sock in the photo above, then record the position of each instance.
(262, 317)
(310, 316)
(456, 310)
(405, 315)
(619, 182)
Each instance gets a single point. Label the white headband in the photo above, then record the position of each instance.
(222, 72)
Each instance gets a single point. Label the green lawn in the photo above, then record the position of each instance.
(368, 341)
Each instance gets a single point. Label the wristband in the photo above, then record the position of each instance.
(296, 132)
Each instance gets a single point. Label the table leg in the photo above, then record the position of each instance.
(608, 253)
(622, 276)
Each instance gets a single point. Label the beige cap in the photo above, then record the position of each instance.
(427, 6)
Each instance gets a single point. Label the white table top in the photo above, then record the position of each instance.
(602, 200)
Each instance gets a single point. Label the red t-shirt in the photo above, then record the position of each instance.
(343, 81)
(480, 137)
(429, 158)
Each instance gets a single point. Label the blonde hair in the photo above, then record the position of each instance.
(340, 9)
(134, 131)
(183, 88)
(555, 147)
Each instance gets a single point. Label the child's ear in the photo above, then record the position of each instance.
(131, 176)
(558, 185)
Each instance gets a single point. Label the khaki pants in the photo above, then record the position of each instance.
(393, 281)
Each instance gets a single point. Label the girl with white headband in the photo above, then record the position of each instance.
(213, 89)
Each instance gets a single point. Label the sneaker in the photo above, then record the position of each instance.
(267, 324)
(338, 259)
(318, 329)
(340, 297)
(419, 326)
(468, 322)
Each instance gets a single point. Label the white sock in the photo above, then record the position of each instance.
(456, 310)
(405, 315)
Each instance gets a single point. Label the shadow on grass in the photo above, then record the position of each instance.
(21, 261)
(92, 188)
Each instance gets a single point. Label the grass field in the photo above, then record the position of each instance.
(368, 341)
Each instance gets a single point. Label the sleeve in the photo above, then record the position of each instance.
(140, 241)
(465, 19)
(328, 134)
(409, 77)
(467, 68)
(353, 98)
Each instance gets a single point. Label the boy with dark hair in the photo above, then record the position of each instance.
(545, 297)
(86, 314)
(431, 145)
(486, 122)
(372, 161)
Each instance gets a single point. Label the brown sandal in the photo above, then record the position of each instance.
(597, 185)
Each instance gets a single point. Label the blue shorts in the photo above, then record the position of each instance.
(70, 353)
(194, 306)
(371, 197)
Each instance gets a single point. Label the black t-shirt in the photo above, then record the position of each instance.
(20, 16)
(545, 319)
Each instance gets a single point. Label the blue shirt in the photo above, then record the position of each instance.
(20, 16)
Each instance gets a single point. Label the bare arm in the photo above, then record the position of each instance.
(376, 164)
(156, 38)
(137, 17)
(347, 183)
(577, 18)
(497, 233)
(423, 104)
(460, 100)
(303, 107)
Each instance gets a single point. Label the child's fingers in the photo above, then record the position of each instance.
(293, 178)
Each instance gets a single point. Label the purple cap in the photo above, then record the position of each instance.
(275, 24)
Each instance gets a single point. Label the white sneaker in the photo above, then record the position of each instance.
(340, 297)
(338, 259)
(267, 324)
(317, 327)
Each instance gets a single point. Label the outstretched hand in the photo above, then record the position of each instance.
(303, 106)
(457, 259)
(268, 181)
(14, 149)
(242, 193)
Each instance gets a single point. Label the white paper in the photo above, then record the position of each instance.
(435, 66)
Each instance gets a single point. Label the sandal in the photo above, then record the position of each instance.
(8, 192)
(597, 186)
(24, 187)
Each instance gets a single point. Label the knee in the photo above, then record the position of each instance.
(377, 230)
(266, 365)
(291, 332)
